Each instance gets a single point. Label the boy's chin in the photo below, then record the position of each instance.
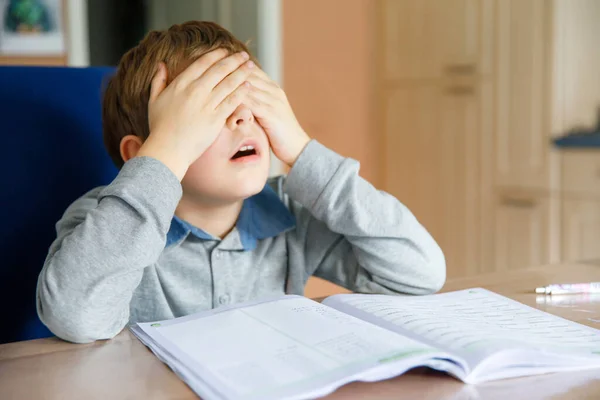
(244, 188)
(234, 192)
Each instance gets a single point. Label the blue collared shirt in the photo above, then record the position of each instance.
(262, 216)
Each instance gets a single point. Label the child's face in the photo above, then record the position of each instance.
(223, 174)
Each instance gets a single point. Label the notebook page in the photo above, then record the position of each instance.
(283, 348)
(475, 323)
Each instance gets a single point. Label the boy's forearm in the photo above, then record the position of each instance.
(97, 261)
(388, 242)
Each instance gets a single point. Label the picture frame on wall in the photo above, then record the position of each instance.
(32, 28)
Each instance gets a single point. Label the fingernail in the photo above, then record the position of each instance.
(245, 55)
(250, 64)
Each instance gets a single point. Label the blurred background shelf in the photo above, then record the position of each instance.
(33, 60)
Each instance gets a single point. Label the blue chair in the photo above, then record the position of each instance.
(52, 153)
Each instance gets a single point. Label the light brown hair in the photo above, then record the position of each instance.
(125, 103)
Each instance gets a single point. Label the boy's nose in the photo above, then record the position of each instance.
(242, 115)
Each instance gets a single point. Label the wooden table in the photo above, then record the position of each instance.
(123, 368)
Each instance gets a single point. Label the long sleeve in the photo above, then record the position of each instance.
(355, 235)
(104, 241)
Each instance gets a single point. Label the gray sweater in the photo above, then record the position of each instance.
(120, 257)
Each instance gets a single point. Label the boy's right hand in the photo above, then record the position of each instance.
(186, 116)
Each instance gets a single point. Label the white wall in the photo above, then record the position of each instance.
(77, 33)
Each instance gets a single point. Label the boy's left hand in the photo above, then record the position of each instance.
(273, 112)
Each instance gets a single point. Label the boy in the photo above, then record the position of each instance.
(189, 224)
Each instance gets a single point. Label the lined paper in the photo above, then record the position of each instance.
(477, 318)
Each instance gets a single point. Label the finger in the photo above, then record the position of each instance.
(262, 74)
(260, 83)
(260, 97)
(259, 101)
(220, 70)
(200, 66)
(159, 82)
(233, 101)
(230, 83)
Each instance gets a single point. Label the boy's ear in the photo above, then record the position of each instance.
(130, 145)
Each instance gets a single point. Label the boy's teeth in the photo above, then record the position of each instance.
(246, 148)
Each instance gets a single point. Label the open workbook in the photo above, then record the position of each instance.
(295, 348)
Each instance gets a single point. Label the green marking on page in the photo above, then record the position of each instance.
(155, 325)
(399, 356)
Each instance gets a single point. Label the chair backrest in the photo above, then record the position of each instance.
(52, 153)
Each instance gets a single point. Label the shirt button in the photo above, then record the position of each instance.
(217, 254)
(224, 299)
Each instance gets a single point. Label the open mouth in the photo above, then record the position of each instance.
(244, 151)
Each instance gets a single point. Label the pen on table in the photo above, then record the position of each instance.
(570, 288)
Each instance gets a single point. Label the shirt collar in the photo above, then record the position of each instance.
(262, 216)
